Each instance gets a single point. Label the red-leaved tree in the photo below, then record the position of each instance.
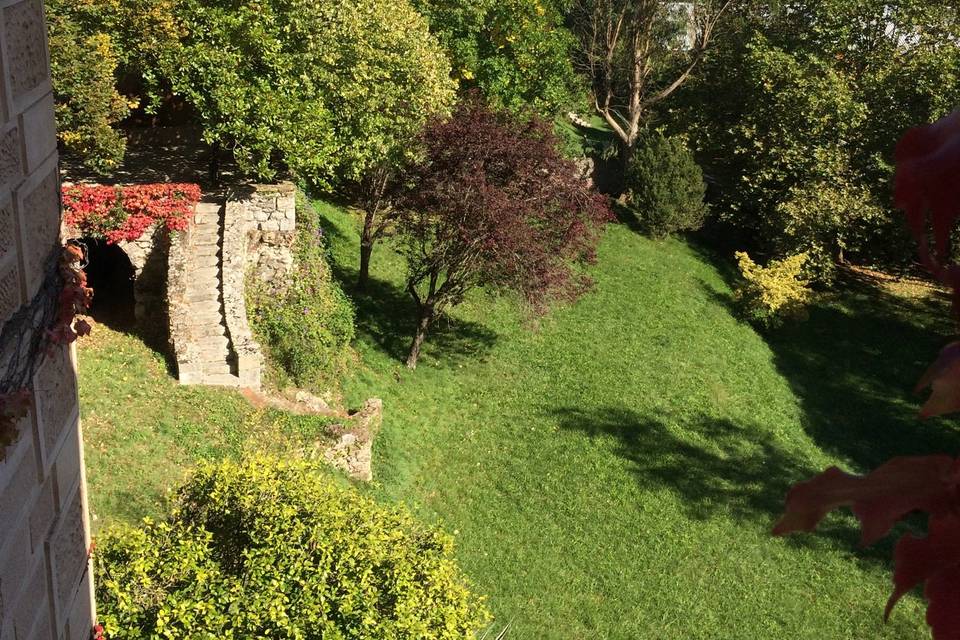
(928, 190)
(493, 203)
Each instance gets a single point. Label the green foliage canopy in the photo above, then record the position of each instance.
(517, 52)
(84, 57)
(794, 115)
(325, 88)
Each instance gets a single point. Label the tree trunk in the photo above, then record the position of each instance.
(366, 249)
(426, 317)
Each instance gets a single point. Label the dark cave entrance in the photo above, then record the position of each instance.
(111, 275)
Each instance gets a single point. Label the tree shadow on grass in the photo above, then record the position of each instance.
(853, 365)
(386, 317)
(717, 468)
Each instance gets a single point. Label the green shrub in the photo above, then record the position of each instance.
(83, 65)
(267, 548)
(665, 187)
(308, 324)
(769, 295)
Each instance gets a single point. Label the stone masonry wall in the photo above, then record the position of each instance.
(271, 218)
(45, 582)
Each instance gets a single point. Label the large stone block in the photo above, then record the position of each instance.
(38, 208)
(11, 164)
(32, 616)
(68, 555)
(39, 133)
(27, 64)
(42, 513)
(10, 291)
(80, 620)
(18, 480)
(18, 562)
(67, 468)
(55, 393)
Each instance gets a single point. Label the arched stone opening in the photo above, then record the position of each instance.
(111, 274)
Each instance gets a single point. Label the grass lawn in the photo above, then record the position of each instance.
(143, 431)
(612, 472)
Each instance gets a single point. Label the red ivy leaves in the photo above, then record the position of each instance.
(75, 298)
(879, 499)
(927, 188)
(124, 213)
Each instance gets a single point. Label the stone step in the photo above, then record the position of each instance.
(197, 320)
(213, 347)
(221, 380)
(205, 307)
(196, 295)
(211, 274)
(217, 368)
(203, 261)
(208, 330)
(206, 250)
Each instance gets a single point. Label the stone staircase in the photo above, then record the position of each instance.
(208, 325)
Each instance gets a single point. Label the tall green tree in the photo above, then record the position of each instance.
(794, 113)
(84, 59)
(323, 89)
(637, 53)
(97, 46)
(517, 52)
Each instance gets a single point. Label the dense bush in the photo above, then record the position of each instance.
(770, 295)
(307, 324)
(268, 548)
(794, 114)
(665, 187)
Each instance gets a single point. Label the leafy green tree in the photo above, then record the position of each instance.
(84, 58)
(324, 89)
(517, 52)
(793, 112)
(637, 53)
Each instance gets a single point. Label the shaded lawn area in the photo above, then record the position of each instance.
(614, 471)
(143, 432)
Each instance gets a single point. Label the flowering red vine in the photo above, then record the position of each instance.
(928, 190)
(125, 213)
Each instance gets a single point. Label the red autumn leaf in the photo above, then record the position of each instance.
(943, 377)
(928, 182)
(935, 561)
(879, 499)
(83, 328)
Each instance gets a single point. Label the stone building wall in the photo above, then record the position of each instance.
(45, 582)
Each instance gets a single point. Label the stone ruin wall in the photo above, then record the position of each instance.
(46, 588)
(270, 214)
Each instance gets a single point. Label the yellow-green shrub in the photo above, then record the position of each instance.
(769, 295)
(267, 548)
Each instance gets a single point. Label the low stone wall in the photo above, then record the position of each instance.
(270, 212)
(247, 350)
(189, 364)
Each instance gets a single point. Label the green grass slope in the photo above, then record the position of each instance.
(143, 432)
(614, 471)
